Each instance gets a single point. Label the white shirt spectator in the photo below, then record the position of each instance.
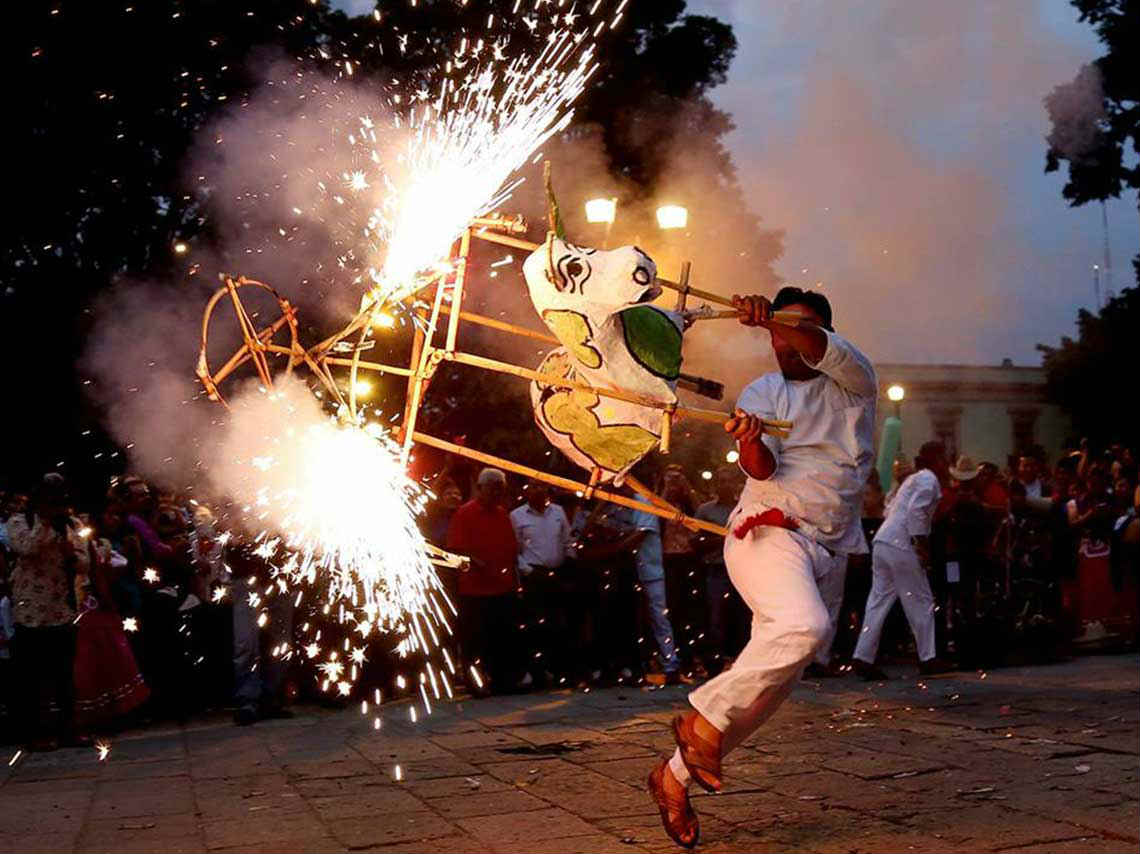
(543, 537)
(911, 512)
(822, 467)
(1033, 490)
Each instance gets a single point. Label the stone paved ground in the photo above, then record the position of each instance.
(1032, 759)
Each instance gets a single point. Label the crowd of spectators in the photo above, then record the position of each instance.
(1029, 561)
(128, 613)
(123, 615)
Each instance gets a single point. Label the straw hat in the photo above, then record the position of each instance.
(964, 469)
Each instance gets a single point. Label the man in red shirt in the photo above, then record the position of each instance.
(488, 588)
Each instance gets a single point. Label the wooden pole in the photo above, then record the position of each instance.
(790, 318)
(568, 484)
(420, 377)
(773, 427)
(457, 290)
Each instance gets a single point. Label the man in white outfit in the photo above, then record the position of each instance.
(900, 555)
(789, 537)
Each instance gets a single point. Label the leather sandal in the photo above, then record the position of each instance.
(677, 815)
(701, 758)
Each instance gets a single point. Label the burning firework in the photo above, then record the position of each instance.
(334, 510)
(461, 142)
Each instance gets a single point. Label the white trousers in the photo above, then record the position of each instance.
(897, 574)
(778, 574)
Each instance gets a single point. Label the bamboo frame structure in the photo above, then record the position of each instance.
(426, 356)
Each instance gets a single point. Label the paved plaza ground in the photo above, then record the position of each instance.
(1027, 759)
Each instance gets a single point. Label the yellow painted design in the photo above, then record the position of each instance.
(573, 330)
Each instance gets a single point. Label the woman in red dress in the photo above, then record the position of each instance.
(108, 684)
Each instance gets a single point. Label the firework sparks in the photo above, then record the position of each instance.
(461, 141)
(103, 748)
(130, 624)
(337, 512)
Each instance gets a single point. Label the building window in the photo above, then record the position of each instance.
(1023, 420)
(946, 423)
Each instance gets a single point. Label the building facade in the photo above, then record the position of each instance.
(987, 412)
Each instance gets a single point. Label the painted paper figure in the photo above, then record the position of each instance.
(596, 303)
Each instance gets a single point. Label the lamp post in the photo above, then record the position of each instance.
(895, 394)
(890, 440)
(602, 210)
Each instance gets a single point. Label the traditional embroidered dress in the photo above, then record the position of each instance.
(108, 684)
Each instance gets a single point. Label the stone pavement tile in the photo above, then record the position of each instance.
(455, 742)
(525, 774)
(263, 829)
(373, 831)
(1085, 810)
(458, 844)
(519, 831)
(254, 760)
(1092, 770)
(323, 844)
(837, 830)
(646, 832)
(160, 796)
(988, 826)
(756, 809)
(47, 805)
(1080, 845)
(385, 749)
(550, 733)
(429, 769)
(487, 803)
(359, 796)
(872, 765)
(68, 764)
(601, 751)
(752, 768)
(450, 787)
(632, 771)
(320, 769)
(592, 844)
(169, 747)
(173, 833)
(36, 841)
(587, 793)
(116, 768)
(303, 751)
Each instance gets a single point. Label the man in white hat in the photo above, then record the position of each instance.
(900, 556)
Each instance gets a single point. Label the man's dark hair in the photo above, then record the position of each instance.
(817, 302)
(928, 452)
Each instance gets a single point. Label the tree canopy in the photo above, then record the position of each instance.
(1083, 375)
(1096, 116)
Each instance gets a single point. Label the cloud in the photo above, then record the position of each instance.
(901, 146)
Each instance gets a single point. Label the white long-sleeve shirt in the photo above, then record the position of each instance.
(822, 467)
(543, 537)
(911, 512)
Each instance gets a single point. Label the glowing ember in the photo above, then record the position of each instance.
(103, 748)
(130, 624)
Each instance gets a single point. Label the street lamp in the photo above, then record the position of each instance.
(602, 210)
(895, 394)
(672, 216)
(890, 441)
